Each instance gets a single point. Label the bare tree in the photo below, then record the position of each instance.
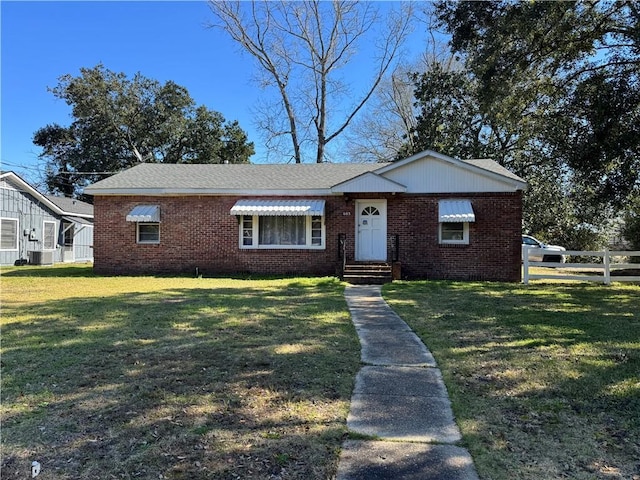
(301, 48)
(387, 123)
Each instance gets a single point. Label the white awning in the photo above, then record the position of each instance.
(144, 213)
(455, 211)
(278, 207)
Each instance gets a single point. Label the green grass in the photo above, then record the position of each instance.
(151, 377)
(544, 379)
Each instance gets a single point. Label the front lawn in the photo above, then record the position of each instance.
(544, 379)
(176, 378)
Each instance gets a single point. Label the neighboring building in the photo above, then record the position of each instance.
(430, 215)
(42, 229)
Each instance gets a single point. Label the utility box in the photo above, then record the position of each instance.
(39, 257)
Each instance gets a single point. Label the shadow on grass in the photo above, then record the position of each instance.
(546, 376)
(86, 270)
(501, 321)
(60, 270)
(180, 383)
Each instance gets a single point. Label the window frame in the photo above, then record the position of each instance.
(54, 236)
(17, 240)
(252, 234)
(465, 234)
(147, 242)
(68, 234)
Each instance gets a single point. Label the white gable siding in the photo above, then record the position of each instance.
(8, 184)
(430, 175)
(368, 182)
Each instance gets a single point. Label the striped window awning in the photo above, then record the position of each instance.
(278, 207)
(455, 211)
(144, 213)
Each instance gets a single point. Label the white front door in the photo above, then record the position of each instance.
(371, 231)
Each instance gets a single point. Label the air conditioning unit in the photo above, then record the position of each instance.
(38, 257)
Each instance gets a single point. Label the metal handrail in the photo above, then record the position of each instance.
(395, 247)
(342, 250)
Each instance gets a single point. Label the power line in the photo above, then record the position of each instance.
(23, 167)
(38, 169)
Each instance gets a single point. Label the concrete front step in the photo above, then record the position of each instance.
(367, 273)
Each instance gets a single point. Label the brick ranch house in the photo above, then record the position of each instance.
(430, 215)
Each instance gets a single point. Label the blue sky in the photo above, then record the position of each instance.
(41, 41)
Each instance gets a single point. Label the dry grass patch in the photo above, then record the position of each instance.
(143, 377)
(544, 379)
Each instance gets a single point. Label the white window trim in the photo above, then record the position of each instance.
(256, 236)
(465, 235)
(17, 234)
(44, 236)
(147, 242)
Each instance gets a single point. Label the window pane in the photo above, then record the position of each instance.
(148, 232)
(283, 230)
(370, 211)
(9, 234)
(247, 230)
(49, 235)
(452, 231)
(316, 230)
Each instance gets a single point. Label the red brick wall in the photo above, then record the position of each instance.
(494, 248)
(198, 231)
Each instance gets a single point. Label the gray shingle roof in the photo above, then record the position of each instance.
(71, 205)
(316, 176)
(493, 166)
(262, 179)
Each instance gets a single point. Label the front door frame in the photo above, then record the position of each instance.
(378, 248)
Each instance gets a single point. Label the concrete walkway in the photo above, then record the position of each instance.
(400, 400)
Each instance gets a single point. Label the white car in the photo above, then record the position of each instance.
(537, 255)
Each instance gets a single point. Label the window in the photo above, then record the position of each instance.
(147, 220)
(148, 232)
(9, 234)
(454, 217)
(370, 211)
(454, 232)
(316, 231)
(49, 236)
(247, 231)
(282, 231)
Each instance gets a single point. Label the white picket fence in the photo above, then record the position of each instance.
(606, 266)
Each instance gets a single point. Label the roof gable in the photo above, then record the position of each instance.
(59, 205)
(368, 182)
(432, 172)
